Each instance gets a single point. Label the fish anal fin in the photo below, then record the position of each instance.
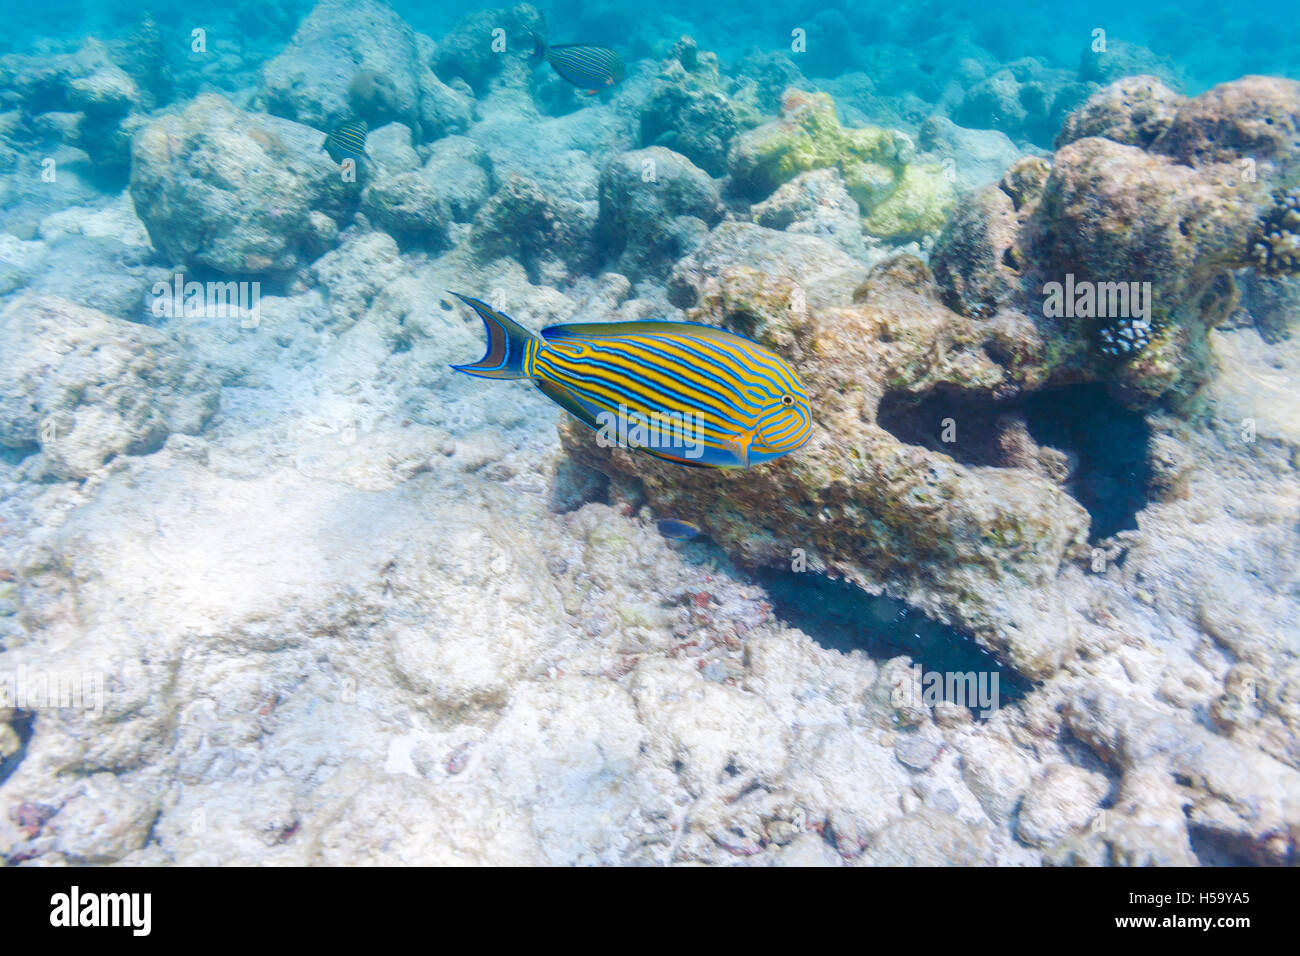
(568, 401)
(677, 461)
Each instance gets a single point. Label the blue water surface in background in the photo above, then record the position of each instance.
(1208, 41)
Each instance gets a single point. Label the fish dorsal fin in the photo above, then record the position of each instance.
(554, 333)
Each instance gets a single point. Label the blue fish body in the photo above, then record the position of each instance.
(687, 393)
(587, 66)
(347, 141)
(677, 530)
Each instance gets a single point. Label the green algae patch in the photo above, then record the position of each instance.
(809, 136)
(898, 198)
(918, 205)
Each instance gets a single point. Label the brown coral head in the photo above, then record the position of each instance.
(1276, 249)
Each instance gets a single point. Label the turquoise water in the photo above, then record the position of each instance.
(1209, 42)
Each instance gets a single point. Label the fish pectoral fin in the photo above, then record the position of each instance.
(567, 400)
(740, 444)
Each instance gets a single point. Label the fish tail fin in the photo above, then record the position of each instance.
(539, 45)
(507, 344)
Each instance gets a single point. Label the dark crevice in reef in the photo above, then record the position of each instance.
(576, 485)
(15, 456)
(23, 722)
(1106, 463)
(1215, 849)
(841, 616)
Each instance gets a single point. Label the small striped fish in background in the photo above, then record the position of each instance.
(743, 403)
(347, 141)
(588, 67)
(677, 530)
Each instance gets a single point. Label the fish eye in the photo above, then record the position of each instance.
(787, 400)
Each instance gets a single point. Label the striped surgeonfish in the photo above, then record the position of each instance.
(588, 67)
(347, 140)
(687, 393)
(677, 530)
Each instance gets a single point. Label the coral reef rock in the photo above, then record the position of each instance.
(84, 386)
(899, 198)
(655, 207)
(1156, 230)
(856, 501)
(689, 111)
(236, 192)
(349, 57)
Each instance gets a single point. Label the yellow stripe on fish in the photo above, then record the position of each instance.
(699, 395)
(347, 140)
(586, 66)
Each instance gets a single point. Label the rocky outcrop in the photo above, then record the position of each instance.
(84, 387)
(222, 189)
(655, 207)
(360, 58)
(1173, 219)
(899, 197)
